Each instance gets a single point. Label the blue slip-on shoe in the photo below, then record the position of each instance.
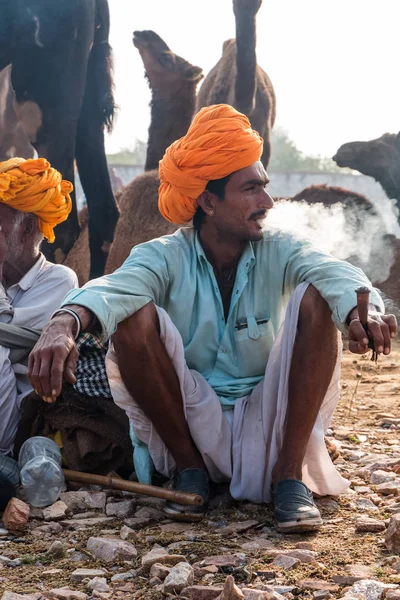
(192, 481)
(295, 509)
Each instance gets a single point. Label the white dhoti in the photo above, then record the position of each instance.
(240, 445)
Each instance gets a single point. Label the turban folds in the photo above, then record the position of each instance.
(33, 186)
(219, 142)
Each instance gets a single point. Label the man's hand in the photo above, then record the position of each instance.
(54, 357)
(381, 328)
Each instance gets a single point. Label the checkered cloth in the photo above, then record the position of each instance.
(91, 375)
(9, 470)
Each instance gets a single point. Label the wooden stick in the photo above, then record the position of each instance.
(363, 305)
(133, 486)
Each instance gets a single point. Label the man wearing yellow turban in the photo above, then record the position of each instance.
(225, 339)
(33, 200)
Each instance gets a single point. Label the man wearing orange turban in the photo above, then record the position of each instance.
(33, 200)
(225, 337)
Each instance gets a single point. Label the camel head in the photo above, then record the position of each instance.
(246, 7)
(163, 66)
(378, 158)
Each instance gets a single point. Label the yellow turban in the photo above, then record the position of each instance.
(219, 142)
(33, 186)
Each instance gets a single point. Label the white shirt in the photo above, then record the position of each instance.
(30, 303)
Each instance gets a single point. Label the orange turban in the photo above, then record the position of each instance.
(33, 186)
(219, 142)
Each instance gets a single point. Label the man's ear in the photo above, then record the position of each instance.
(207, 202)
(31, 225)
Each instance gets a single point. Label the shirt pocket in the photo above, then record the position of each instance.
(253, 344)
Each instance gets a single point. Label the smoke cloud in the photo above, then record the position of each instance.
(348, 233)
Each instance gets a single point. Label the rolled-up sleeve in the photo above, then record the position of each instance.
(143, 278)
(336, 280)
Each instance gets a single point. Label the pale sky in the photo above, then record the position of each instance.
(333, 63)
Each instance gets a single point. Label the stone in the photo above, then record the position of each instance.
(76, 501)
(305, 546)
(16, 515)
(161, 571)
(147, 512)
(128, 534)
(85, 523)
(51, 572)
(180, 576)
(121, 510)
(363, 504)
(175, 527)
(252, 594)
(158, 554)
(257, 544)
(304, 556)
(354, 573)
(135, 523)
(369, 588)
(392, 536)
(96, 501)
(392, 595)
(201, 592)
(36, 513)
(367, 524)
(14, 596)
(201, 571)
(322, 595)
(327, 505)
(225, 560)
(123, 576)
(380, 476)
(65, 594)
(230, 590)
(80, 574)
(285, 562)
(389, 487)
(99, 584)
(56, 550)
(318, 585)
(238, 527)
(57, 511)
(111, 550)
(47, 528)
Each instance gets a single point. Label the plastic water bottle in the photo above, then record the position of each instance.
(42, 477)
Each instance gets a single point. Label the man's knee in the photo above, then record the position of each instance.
(314, 309)
(137, 330)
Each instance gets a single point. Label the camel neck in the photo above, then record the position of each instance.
(172, 109)
(246, 62)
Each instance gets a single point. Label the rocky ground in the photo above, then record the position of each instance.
(106, 544)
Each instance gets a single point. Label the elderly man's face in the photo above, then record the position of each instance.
(242, 212)
(12, 229)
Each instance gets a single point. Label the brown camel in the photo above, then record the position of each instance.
(62, 79)
(173, 82)
(237, 79)
(13, 139)
(378, 158)
(391, 286)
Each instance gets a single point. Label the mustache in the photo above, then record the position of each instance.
(258, 215)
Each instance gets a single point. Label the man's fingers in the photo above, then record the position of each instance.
(357, 332)
(70, 366)
(376, 333)
(357, 347)
(391, 322)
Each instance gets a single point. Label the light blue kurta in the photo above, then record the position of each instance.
(174, 273)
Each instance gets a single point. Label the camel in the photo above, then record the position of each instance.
(173, 82)
(379, 158)
(62, 79)
(238, 80)
(13, 139)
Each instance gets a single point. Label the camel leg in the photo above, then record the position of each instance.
(49, 84)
